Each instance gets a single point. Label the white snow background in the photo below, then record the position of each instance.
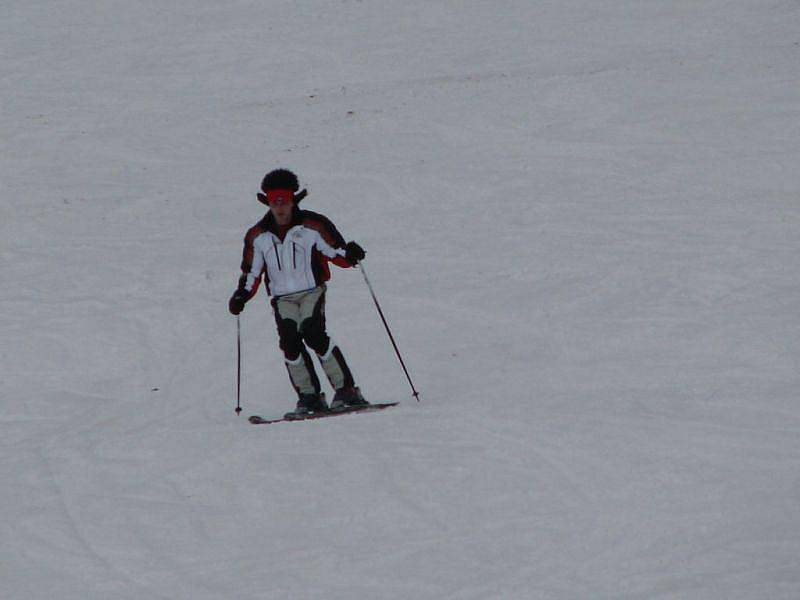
(582, 218)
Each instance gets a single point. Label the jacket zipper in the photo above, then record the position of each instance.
(294, 255)
(277, 255)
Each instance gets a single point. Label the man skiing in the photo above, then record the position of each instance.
(291, 248)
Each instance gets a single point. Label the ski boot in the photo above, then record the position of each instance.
(350, 396)
(308, 404)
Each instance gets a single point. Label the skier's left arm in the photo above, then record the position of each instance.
(345, 256)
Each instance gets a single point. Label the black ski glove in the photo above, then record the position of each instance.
(354, 253)
(237, 301)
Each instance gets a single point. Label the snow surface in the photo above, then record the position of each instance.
(582, 219)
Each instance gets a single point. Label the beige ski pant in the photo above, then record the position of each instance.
(300, 318)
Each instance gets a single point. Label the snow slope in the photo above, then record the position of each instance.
(582, 219)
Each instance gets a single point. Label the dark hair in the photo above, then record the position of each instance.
(280, 179)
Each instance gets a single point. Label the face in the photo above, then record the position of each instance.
(281, 208)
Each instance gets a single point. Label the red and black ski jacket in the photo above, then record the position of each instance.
(293, 259)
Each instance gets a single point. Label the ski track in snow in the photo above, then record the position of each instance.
(581, 218)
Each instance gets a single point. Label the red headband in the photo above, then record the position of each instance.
(280, 196)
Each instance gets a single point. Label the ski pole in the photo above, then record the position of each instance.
(386, 325)
(238, 365)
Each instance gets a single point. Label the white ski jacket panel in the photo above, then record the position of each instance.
(287, 264)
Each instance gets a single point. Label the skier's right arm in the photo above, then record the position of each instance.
(252, 268)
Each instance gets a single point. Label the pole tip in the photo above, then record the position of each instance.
(238, 410)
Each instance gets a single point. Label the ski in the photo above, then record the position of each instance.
(347, 410)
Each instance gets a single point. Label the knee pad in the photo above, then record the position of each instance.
(313, 333)
(289, 339)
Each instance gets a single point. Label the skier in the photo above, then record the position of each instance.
(291, 249)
